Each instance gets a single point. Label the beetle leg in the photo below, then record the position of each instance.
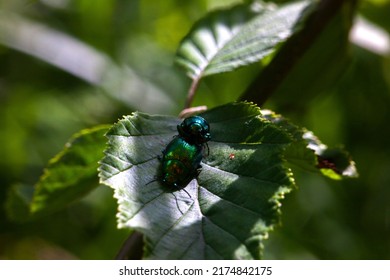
(187, 193)
(154, 180)
(177, 204)
(208, 149)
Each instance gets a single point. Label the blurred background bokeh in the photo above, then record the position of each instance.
(72, 64)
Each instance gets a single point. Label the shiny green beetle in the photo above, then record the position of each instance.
(180, 163)
(181, 158)
(195, 130)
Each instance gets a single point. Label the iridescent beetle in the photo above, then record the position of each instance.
(181, 158)
(195, 130)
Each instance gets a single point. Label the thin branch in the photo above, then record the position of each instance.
(192, 91)
(132, 248)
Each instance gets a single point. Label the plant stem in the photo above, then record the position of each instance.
(191, 92)
(132, 248)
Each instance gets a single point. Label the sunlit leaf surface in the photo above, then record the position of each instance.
(244, 34)
(227, 210)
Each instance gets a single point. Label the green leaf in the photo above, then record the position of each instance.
(335, 163)
(18, 202)
(225, 212)
(309, 153)
(311, 61)
(227, 39)
(72, 173)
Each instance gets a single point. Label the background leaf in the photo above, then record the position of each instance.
(311, 61)
(244, 34)
(309, 153)
(72, 173)
(233, 203)
(18, 202)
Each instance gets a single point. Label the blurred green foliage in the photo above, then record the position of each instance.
(42, 105)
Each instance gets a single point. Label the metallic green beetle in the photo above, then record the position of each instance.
(180, 163)
(195, 130)
(181, 158)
